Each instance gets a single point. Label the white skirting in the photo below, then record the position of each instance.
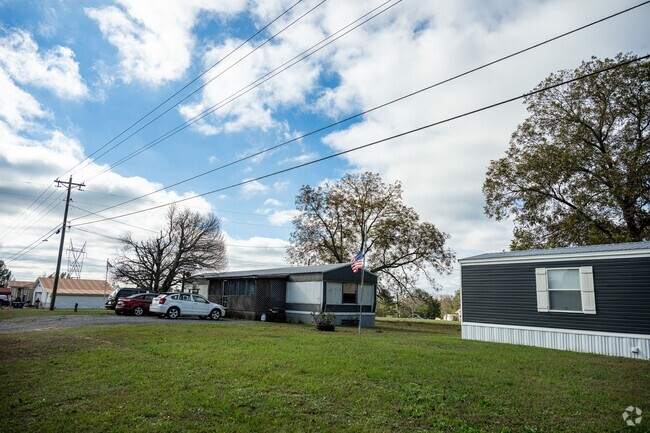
(604, 343)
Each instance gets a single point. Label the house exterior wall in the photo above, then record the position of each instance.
(306, 297)
(499, 303)
(602, 343)
(86, 302)
(305, 292)
(506, 294)
(298, 294)
(202, 287)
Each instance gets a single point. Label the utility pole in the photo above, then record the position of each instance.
(65, 223)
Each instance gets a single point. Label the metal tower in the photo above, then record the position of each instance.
(75, 260)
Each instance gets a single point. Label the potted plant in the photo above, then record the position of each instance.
(324, 321)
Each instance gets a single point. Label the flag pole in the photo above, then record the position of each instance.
(363, 270)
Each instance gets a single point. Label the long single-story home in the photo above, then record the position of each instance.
(592, 299)
(298, 291)
(87, 294)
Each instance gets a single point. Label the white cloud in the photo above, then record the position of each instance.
(154, 39)
(256, 252)
(240, 102)
(212, 159)
(46, 158)
(55, 70)
(18, 107)
(281, 185)
(442, 169)
(282, 217)
(300, 159)
(253, 187)
(272, 202)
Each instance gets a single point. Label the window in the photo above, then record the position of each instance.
(200, 299)
(565, 289)
(240, 287)
(349, 293)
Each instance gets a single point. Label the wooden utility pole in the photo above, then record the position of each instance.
(65, 223)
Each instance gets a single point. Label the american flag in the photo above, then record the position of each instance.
(357, 262)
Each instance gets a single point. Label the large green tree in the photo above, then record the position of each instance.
(577, 171)
(338, 219)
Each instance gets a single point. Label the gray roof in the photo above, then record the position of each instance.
(630, 246)
(275, 272)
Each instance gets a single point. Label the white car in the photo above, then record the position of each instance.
(173, 305)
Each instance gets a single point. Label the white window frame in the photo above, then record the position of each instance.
(587, 293)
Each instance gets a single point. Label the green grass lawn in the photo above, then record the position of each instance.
(255, 377)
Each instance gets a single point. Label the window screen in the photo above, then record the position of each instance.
(564, 289)
(349, 293)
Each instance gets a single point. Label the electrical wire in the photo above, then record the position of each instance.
(23, 217)
(184, 87)
(373, 143)
(121, 222)
(385, 104)
(39, 241)
(250, 87)
(375, 108)
(57, 202)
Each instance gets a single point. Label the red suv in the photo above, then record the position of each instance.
(135, 304)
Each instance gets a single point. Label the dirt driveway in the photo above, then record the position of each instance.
(40, 323)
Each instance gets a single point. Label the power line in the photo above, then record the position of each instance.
(375, 108)
(184, 87)
(120, 222)
(23, 217)
(373, 143)
(246, 89)
(56, 203)
(228, 245)
(385, 104)
(44, 238)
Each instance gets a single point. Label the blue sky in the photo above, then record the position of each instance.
(74, 75)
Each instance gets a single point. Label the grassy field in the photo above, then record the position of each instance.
(254, 377)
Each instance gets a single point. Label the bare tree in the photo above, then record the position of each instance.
(190, 241)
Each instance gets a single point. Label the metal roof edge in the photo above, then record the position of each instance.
(560, 257)
(282, 272)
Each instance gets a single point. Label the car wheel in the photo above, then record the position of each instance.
(138, 311)
(119, 313)
(215, 314)
(173, 313)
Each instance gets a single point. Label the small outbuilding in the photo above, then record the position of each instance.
(293, 293)
(21, 290)
(592, 299)
(87, 294)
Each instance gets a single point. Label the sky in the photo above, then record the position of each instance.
(129, 97)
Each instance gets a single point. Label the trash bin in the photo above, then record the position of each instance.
(17, 305)
(277, 314)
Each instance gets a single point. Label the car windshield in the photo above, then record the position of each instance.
(137, 295)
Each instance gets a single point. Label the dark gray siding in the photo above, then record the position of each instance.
(346, 274)
(506, 294)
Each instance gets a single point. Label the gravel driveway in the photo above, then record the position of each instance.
(40, 323)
